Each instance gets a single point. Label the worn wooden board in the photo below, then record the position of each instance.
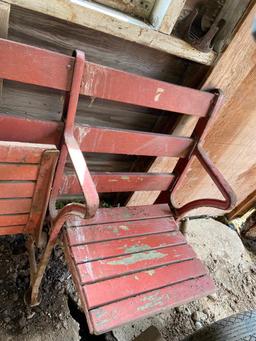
(136, 8)
(230, 141)
(91, 15)
(171, 16)
(57, 35)
(4, 26)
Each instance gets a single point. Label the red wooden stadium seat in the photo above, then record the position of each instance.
(127, 262)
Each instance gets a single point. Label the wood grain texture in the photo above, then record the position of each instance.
(172, 16)
(114, 231)
(135, 8)
(57, 35)
(230, 141)
(145, 305)
(102, 293)
(243, 207)
(89, 15)
(4, 26)
(4, 19)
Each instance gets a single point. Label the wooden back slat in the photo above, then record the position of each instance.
(17, 152)
(114, 141)
(16, 189)
(14, 219)
(111, 84)
(118, 182)
(54, 70)
(14, 206)
(18, 171)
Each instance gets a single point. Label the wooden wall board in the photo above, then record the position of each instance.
(136, 8)
(4, 26)
(171, 16)
(230, 142)
(84, 13)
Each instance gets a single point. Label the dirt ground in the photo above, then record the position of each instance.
(58, 317)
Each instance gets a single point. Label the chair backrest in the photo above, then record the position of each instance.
(109, 84)
(26, 172)
(53, 70)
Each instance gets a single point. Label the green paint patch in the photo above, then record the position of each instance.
(125, 177)
(138, 257)
(116, 229)
(127, 215)
(137, 248)
(153, 301)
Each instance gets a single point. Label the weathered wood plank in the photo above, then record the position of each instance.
(18, 171)
(114, 231)
(12, 220)
(96, 251)
(54, 70)
(135, 8)
(116, 314)
(13, 189)
(119, 266)
(116, 289)
(237, 115)
(118, 182)
(4, 26)
(119, 214)
(171, 16)
(89, 15)
(112, 141)
(14, 206)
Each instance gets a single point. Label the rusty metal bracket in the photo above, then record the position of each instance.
(190, 29)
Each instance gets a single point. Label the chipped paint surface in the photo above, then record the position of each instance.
(150, 301)
(125, 177)
(138, 257)
(124, 227)
(116, 229)
(150, 272)
(159, 92)
(137, 248)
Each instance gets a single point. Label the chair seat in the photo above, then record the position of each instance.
(132, 262)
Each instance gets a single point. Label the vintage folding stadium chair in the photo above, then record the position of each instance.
(127, 262)
(26, 173)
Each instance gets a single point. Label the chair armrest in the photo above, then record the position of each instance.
(83, 174)
(223, 186)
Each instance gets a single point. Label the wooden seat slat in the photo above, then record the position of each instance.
(102, 250)
(110, 316)
(118, 266)
(114, 231)
(116, 289)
